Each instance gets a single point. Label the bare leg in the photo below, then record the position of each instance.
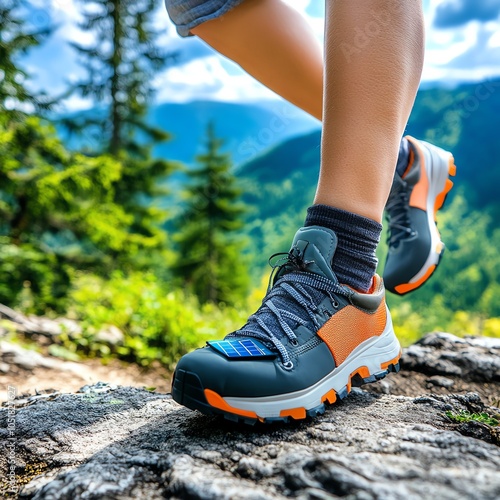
(369, 92)
(274, 44)
(374, 52)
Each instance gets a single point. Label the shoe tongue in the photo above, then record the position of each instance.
(316, 246)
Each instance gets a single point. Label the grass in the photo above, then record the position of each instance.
(466, 416)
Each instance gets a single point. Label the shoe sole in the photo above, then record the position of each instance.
(369, 362)
(440, 166)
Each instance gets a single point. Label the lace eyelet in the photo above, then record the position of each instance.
(335, 304)
(288, 365)
(294, 342)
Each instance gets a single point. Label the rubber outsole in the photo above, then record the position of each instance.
(405, 288)
(188, 390)
(427, 277)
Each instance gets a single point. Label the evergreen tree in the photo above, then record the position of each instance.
(59, 215)
(16, 38)
(210, 250)
(121, 65)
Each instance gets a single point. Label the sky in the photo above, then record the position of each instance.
(462, 44)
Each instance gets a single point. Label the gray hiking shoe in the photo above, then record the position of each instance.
(309, 342)
(415, 246)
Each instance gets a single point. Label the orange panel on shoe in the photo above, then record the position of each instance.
(299, 350)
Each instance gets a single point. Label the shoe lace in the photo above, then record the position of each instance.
(292, 300)
(398, 214)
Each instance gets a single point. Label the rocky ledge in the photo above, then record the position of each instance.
(119, 442)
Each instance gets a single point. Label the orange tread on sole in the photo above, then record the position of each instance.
(295, 413)
(330, 397)
(407, 287)
(217, 401)
(394, 361)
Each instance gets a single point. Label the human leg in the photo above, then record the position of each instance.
(368, 98)
(286, 57)
(313, 336)
(273, 43)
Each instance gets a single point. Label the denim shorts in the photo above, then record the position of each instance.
(187, 14)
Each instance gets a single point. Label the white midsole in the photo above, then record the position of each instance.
(436, 163)
(370, 354)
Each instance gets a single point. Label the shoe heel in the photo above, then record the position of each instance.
(441, 197)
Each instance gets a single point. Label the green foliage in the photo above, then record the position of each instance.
(59, 213)
(159, 324)
(16, 38)
(31, 278)
(121, 65)
(210, 258)
(279, 186)
(466, 416)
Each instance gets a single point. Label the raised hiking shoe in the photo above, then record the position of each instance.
(308, 343)
(415, 246)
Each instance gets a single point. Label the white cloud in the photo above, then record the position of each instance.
(443, 46)
(208, 79)
(468, 52)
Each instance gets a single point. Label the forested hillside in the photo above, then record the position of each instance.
(463, 295)
(465, 120)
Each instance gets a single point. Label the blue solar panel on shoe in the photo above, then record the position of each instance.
(242, 349)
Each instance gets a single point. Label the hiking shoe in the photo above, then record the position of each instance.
(308, 343)
(415, 246)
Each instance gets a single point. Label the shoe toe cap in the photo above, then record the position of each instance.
(227, 377)
(211, 370)
(405, 262)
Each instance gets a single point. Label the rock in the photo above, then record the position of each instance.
(385, 386)
(479, 430)
(107, 441)
(470, 358)
(111, 335)
(118, 442)
(441, 381)
(14, 354)
(38, 325)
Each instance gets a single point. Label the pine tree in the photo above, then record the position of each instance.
(58, 215)
(120, 68)
(16, 38)
(121, 65)
(210, 251)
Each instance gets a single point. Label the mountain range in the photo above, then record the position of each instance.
(279, 184)
(248, 129)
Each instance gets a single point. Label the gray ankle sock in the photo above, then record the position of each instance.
(355, 261)
(404, 157)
